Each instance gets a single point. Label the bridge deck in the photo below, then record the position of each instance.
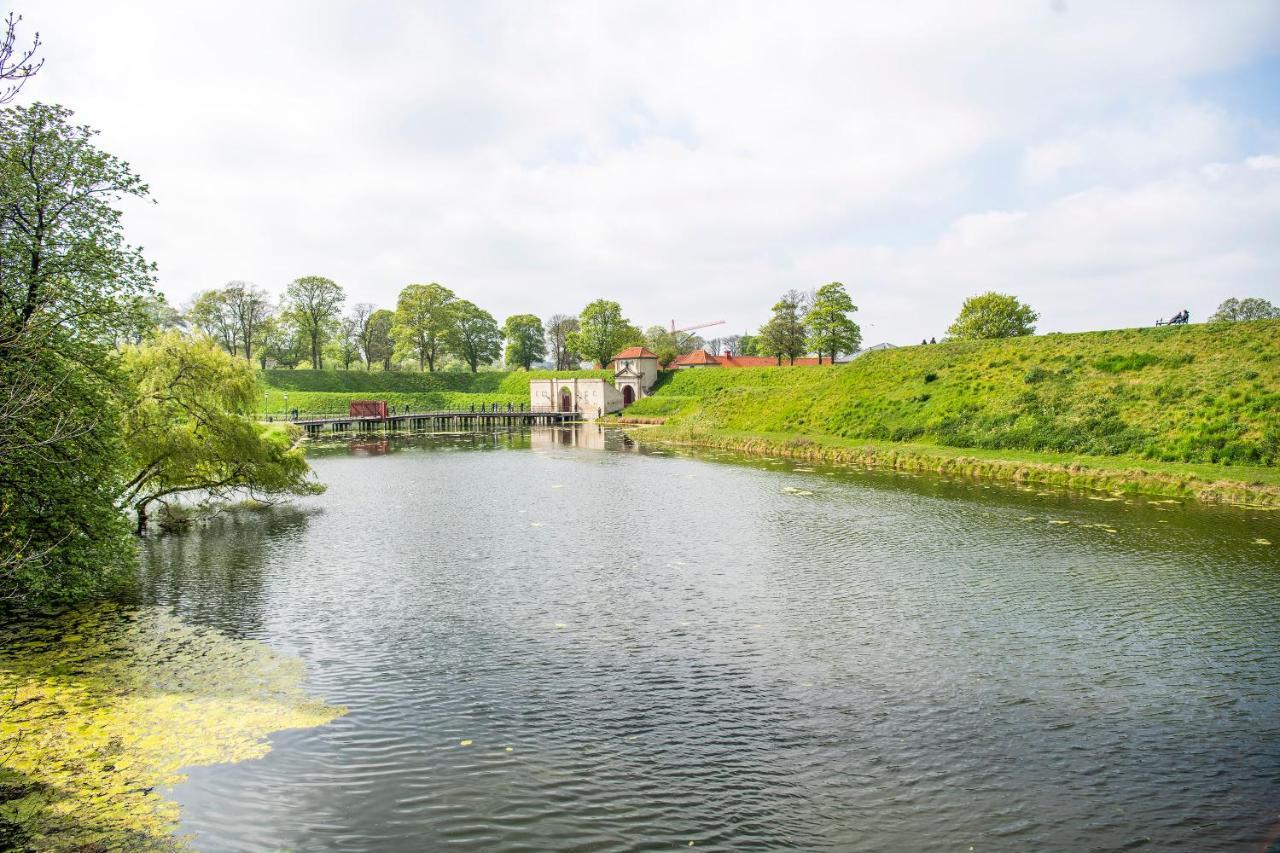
(427, 420)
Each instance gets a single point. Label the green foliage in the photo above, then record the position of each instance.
(423, 318)
(784, 336)
(313, 304)
(829, 327)
(1200, 394)
(61, 537)
(993, 315)
(749, 345)
(473, 336)
(602, 332)
(1250, 308)
(525, 343)
(63, 259)
(190, 427)
(70, 287)
(379, 345)
(559, 327)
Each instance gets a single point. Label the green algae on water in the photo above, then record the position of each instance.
(100, 709)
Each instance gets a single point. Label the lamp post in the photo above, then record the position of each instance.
(286, 405)
(264, 406)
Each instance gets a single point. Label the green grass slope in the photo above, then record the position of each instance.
(1203, 393)
(329, 392)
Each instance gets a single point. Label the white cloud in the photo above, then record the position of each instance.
(691, 160)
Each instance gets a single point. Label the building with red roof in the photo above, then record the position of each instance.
(702, 358)
(635, 370)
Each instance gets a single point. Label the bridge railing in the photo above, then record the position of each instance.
(486, 409)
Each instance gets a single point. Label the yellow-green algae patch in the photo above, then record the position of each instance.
(102, 708)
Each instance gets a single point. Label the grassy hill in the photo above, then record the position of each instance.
(1194, 394)
(322, 392)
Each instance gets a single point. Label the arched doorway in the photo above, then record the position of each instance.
(566, 400)
(628, 395)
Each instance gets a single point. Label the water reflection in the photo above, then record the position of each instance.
(643, 649)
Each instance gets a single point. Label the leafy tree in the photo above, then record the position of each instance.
(284, 343)
(211, 313)
(249, 307)
(1250, 308)
(559, 327)
(525, 343)
(147, 315)
(190, 428)
(424, 317)
(377, 341)
(474, 336)
(348, 341)
(602, 332)
(785, 334)
(314, 303)
(830, 329)
(69, 288)
(662, 343)
(993, 315)
(748, 345)
(361, 314)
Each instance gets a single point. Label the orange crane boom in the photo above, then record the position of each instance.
(698, 326)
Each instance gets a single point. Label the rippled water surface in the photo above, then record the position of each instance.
(643, 650)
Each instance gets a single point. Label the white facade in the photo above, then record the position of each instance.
(589, 398)
(634, 377)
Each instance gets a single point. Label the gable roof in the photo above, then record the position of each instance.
(635, 352)
(698, 357)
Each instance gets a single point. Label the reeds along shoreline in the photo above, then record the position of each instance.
(919, 459)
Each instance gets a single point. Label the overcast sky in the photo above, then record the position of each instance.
(1109, 162)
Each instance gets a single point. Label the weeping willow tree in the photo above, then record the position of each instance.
(189, 430)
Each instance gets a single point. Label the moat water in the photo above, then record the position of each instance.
(563, 641)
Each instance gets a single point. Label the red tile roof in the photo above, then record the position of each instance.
(635, 352)
(702, 357)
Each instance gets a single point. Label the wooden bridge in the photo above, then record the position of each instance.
(450, 419)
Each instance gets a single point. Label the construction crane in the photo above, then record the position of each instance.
(674, 330)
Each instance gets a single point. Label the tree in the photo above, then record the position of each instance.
(830, 329)
(314, 303)
(69, 288)
(993, 315)
(147, 315)
(784, 335)
(749, 345)
(249, 307)
(16, 66)
(603, 332)
(378, 343)
(190, 428)
(348, 341)
(732, 343)
(525, 343)
(424, 316)
(1250, 308)
(284, 343)
(559, 327)
(474, 336)
(211, 314)
(361, 314)
(662, 343)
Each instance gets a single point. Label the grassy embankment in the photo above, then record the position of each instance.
(328, 392)
(1186, 411)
